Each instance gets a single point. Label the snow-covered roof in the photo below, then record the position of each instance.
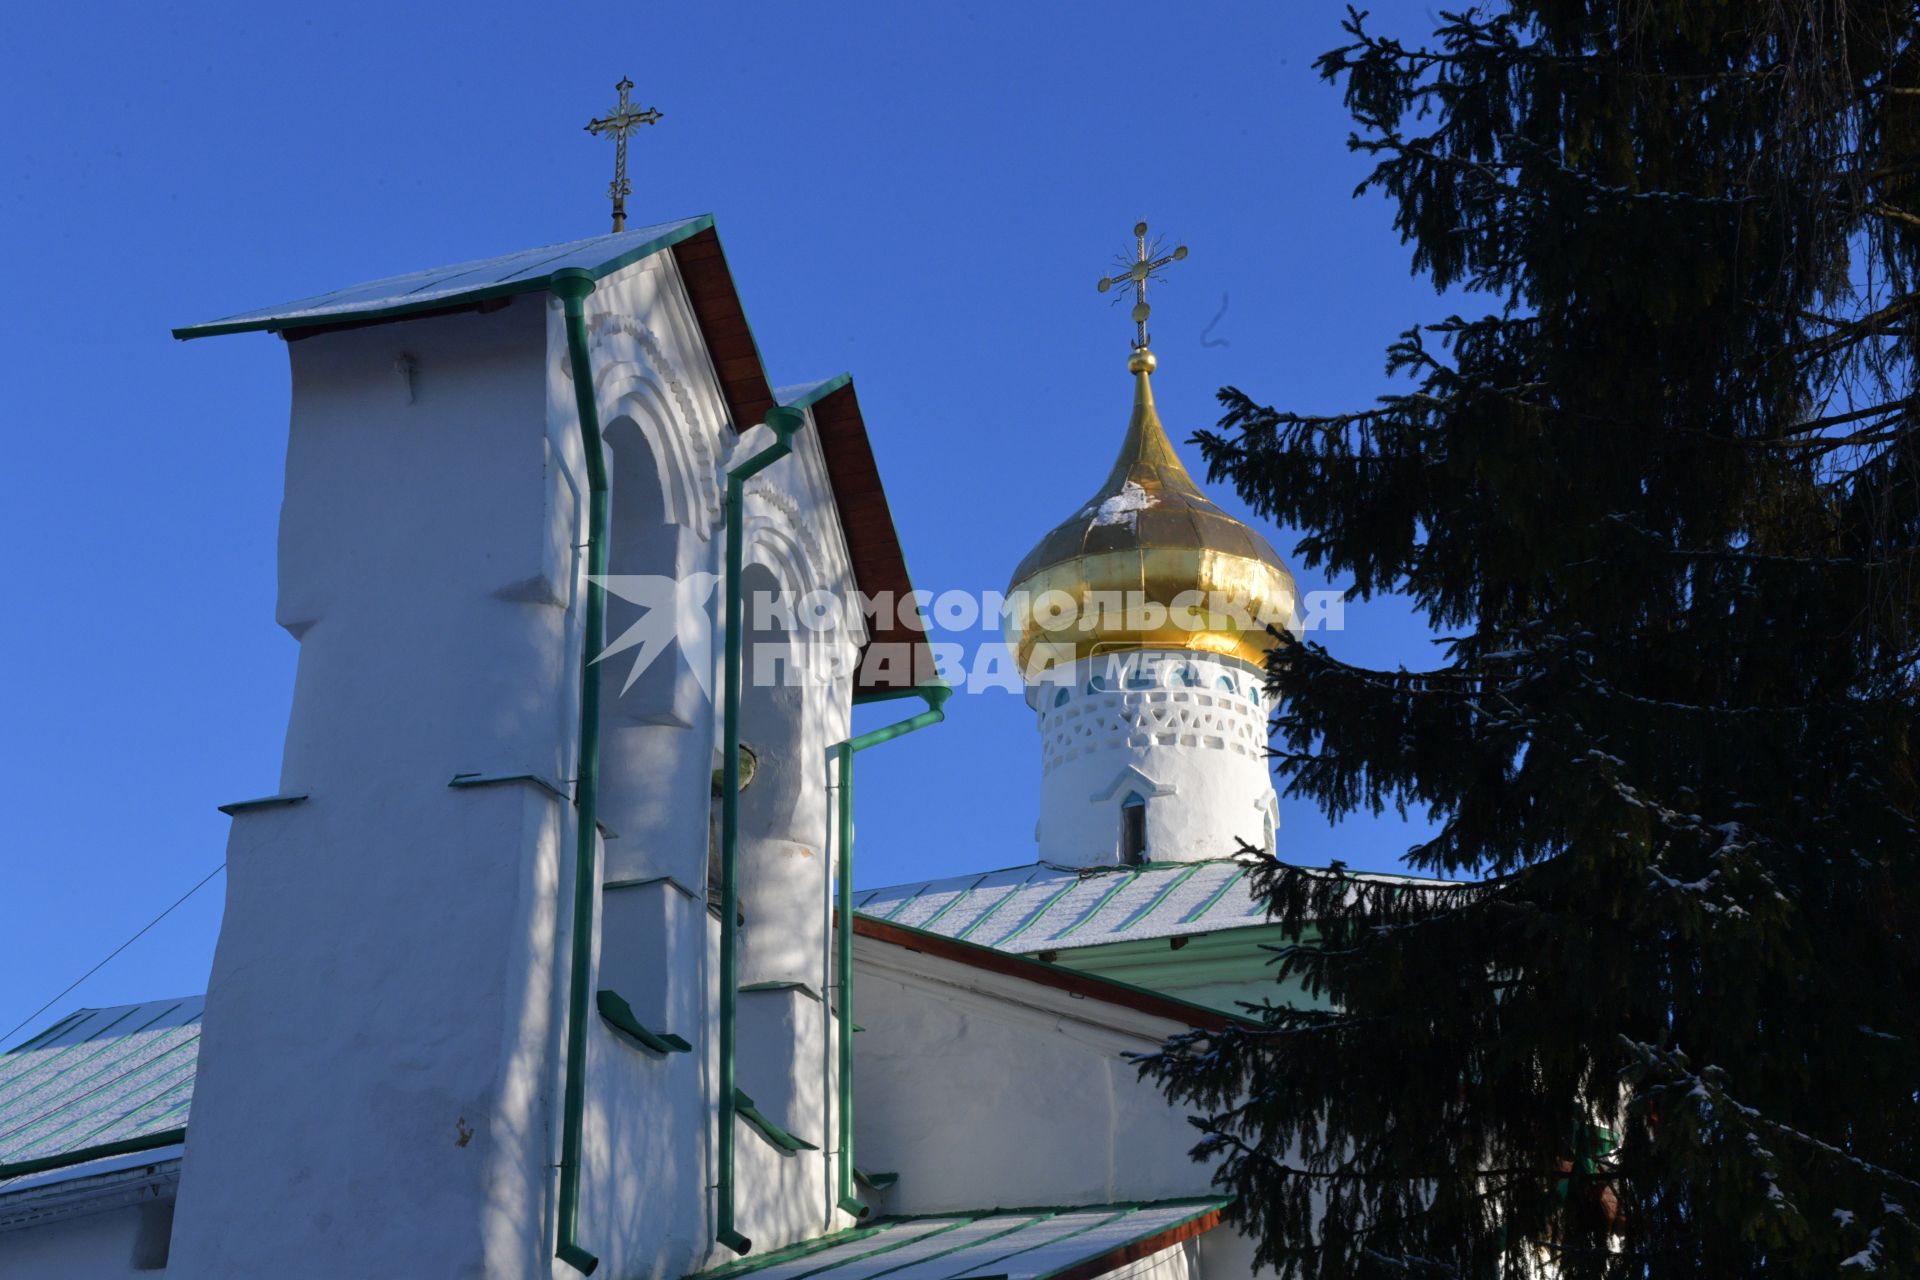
(1043, 907)
(525, 271)
(802, 394)
(96, 1078)
(1017, 1244)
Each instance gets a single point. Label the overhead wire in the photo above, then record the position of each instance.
(8, 1034)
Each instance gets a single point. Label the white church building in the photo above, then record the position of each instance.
(536, 967)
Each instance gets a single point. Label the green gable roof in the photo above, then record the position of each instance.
(99, 1078)
(436, 288)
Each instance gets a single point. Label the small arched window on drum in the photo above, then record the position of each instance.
(1133, 830)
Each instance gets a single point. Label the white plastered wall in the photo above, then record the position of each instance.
(795, 704)
(373, 1084)
(648, 1208)
(648, 1150)
(982, 1089)
(110, 1218)
(974, 1099)
(95, 1247)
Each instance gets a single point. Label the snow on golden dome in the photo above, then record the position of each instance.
(1147, 563)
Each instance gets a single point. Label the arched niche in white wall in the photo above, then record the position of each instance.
(772, 707)
(656, 561)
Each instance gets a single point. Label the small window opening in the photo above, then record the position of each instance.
(1133, 830)
(1061, 696)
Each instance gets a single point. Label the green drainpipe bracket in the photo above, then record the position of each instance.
(572, 285)
(783, 422)
(778, 1136)
(619, 1015)
(801, 987)
(235, 807)
(643, 881)
(462, 781)
(935, 696)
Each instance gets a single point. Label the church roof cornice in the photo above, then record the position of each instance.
(462, 284)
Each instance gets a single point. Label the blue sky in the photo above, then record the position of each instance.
(922, 194)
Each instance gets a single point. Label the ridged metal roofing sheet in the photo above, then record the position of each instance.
(795, 1264)
(1045, 908)
(1053, 1257)
(99, 1076)
(1042, 907)
(521, 272)
(1011, 1237)
(1020, 1244)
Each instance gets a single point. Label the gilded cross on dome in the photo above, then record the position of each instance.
(1145, 265)
(620, 122)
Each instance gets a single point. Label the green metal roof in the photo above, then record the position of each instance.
(1002, 1244)
(527, 271)
(1043, 907)
(98, 1078)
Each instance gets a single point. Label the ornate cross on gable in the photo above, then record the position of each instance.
(620, 122)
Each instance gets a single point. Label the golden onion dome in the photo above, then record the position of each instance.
(1147, 563)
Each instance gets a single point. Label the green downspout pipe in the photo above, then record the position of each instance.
(935, 696)
(572, 285)
(784, 422)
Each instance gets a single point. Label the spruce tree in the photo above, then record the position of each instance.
(1657, 482)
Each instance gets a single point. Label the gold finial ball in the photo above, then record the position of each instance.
(1141, 361)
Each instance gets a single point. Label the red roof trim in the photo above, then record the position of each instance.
(1116, 1258)
(873, 543)
(1072, 981)
(723, 325)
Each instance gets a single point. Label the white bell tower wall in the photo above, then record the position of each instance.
(1153, 756)
(373, 1079)
(380, 1079)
